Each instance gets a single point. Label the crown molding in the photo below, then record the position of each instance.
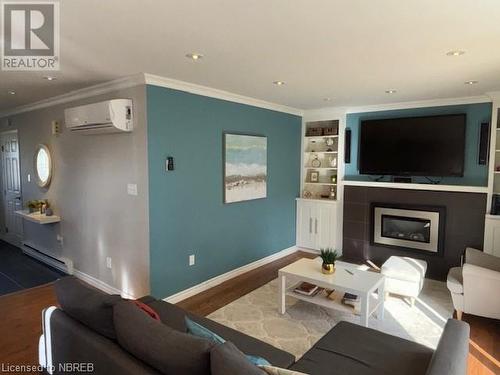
(99, 89)
(149, 79)
(192, 88)
(494, 95)
(321, 112)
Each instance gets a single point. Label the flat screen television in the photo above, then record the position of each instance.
(413, 146)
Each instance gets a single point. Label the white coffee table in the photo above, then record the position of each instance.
(360, 282)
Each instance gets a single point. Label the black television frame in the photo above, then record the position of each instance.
(406, 173)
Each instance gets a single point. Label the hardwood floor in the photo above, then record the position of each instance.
(229, 291)
(20, 323)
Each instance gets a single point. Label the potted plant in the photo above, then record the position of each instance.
(33, 205)
(329, 257)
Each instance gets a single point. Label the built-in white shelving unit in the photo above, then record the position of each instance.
(319, 210)
(320, 161)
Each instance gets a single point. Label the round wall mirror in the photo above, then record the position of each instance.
(43, 165)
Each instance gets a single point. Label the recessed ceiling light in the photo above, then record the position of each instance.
(194, 56)
(473, 82)
(279, 83)
(11, 92)
(455, 52)
(50, 78)
(391, 91)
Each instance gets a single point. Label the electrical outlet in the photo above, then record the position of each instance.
(131, 189)
(60, 239)
(191, 260)
(109, 264)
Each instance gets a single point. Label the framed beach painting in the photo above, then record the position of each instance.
(245, 167)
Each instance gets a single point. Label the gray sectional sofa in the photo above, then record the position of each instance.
(81, 331)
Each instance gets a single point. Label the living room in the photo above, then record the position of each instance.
(306, 188)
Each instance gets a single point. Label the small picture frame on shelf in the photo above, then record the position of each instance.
(314, 176)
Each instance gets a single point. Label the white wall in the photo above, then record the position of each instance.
(89, 192)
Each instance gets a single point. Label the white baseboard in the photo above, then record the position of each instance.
(66, 266)
(100, 284)
(306, 250)
(228, 275)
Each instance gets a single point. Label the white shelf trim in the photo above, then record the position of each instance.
(320, 183)
(321, 152)
(37, 217)
(431, 187)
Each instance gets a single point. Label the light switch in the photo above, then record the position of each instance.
(29, 177)
(132, 189)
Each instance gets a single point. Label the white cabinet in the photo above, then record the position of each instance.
(317, 224)
(492, 235)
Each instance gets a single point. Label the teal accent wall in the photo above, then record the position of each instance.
(186, 209)
(474, 174)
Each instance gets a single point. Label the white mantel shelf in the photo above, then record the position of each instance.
(430, 187)
(37, 217)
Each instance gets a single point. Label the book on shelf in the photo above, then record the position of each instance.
(306, 289)
(352, 300)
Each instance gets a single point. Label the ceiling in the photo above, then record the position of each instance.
(349, 51)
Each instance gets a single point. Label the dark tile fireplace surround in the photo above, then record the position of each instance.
(462, 215)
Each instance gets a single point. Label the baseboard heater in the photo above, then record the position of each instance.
(62, 264)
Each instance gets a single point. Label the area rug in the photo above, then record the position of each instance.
(256, 314)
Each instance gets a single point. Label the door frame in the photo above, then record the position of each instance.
(3, 234)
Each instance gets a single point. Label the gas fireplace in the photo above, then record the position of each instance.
(408, 227)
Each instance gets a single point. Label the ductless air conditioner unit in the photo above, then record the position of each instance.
(111, 116)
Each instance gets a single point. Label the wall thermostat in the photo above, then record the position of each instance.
(170, 163)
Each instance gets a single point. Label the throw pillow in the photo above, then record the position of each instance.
(86, 304)
(200, 331)
(167, 350)
(148, 310)
(271, 370)
(227, 359)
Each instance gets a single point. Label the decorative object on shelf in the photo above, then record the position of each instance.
(314, 132)
(245, 167)
(313, 143)
(316, 163)
(333, 193)
(333, 178)
(331, 130)
(329, 143)
(314, 176)
(325, 196)
(329, 257)
(333, 161)
(33, 206)
(43, 165)
(307, 194)
(49, 212)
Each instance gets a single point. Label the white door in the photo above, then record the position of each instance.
(11, 185)
(305, 224)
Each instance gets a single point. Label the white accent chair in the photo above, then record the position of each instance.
(475, 287)
(404, 276)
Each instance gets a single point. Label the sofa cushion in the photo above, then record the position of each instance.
(227, 359)
(352, 349)
(163, 348)
(404, 268)
(86, 304)
(455, 280)
(173, 316)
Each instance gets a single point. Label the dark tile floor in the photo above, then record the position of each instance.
(19, 271)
